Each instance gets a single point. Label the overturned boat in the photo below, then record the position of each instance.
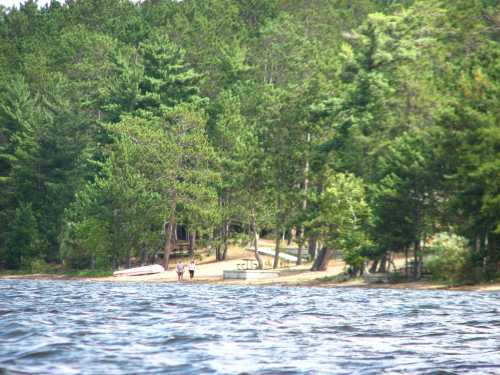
(145, 270)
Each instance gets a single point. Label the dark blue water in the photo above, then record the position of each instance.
(66, 327)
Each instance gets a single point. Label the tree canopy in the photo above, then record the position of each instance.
(367, 127)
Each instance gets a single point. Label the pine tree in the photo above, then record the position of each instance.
(18, 116)
(23, 242)
(168, 80)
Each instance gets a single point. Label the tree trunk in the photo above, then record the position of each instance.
(304, 206)
(142, 255)
(256, 245)
(391, 262)
(493, 242)
(218, 252)
(416, 252)
(482, 245)
(312, 247)
(277, 248)
(192, 244)
(256, 242)
(169, 229)
(383, 263)
(300, 240)
(321, 262)
(225, 243)
(421, 257)
(288, 237)
(406, 262)
(129, 253)
(374, 266)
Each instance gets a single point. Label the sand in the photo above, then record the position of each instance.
(210, 271)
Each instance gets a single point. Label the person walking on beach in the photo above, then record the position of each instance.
(180, 270)
(192, 268)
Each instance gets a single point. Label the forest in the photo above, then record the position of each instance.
(366, 128)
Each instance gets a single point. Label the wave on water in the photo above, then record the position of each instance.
(73, 327)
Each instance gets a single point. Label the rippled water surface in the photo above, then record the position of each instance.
(66, 327)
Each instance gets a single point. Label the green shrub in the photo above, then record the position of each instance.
(335, 278)
(39, 266)
(448, 257)
(23, 240)
(397, 277)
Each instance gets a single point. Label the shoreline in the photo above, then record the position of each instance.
(211, 272)
(316, 282)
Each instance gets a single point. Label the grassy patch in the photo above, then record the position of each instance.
(36, 266)
(15, 272)
(333, 279)
(59, 272)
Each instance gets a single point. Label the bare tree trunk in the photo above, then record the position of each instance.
(142, 255)
(277, 248)
(300, 241)
(216, 242)
(219, 251)
(322, 260)
(406, 261)
(486, 251)
(129, 252)
(417, 249)
(390, 262)
(304, 205)
(416, 252)
(256, 243)
(225, 243)
(493, 253)
(169, 228)
(421, 257)
(192, 244)
(383, 263)
(374, 266)
(313, 243)
(482, 245)
(129, 260)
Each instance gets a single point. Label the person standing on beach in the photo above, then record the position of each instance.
(192, 268)
(180, 270)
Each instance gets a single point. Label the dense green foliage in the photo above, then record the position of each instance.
(448, 257)
(367, 126)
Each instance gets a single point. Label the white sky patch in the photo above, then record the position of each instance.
(9, 3)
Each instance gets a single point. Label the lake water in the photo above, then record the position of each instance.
(73, 327)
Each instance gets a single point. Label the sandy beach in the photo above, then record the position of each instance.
(210, 271)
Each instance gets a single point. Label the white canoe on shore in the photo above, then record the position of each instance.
(145, 270)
